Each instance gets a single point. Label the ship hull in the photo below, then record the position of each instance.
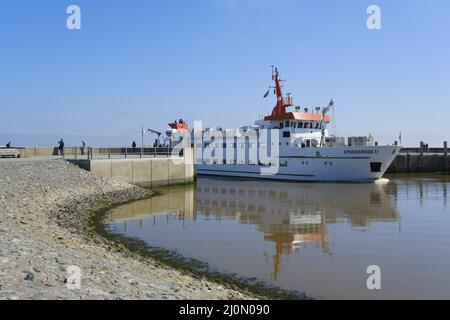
(325, 164)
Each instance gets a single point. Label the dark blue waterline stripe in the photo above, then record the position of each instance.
(322, 158)
(256, 173)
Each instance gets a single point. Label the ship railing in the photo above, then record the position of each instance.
(288, 100)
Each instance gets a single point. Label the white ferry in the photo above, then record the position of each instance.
(305, 150)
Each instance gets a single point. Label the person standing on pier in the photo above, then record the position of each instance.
(8, 145)
(83, 146)
(61, 147)
(133, 146)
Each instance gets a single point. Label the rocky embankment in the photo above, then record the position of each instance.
(44, 210)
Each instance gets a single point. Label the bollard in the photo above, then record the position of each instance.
(445, 157)
(408, 162)
(421, 158)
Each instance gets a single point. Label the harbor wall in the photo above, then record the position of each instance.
(404, 163)
(145, 172)
(29, 152)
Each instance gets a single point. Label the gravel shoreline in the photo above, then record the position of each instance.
(44, 229)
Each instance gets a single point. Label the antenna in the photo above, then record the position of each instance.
(333, 122)
(324, 121)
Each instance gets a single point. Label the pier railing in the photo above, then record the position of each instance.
(92, 153)
(424, 150)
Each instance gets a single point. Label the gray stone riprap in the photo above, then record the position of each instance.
(43, 209)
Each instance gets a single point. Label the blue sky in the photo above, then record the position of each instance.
(149, 62)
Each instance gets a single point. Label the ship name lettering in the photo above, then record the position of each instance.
(359, 151)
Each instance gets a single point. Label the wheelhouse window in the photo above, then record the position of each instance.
(286, 134)
(300, 125)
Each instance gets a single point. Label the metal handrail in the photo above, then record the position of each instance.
(91, 153)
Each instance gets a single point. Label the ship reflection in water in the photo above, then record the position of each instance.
(316, 238)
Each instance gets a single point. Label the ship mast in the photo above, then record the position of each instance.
(280, 107)
(324, 122)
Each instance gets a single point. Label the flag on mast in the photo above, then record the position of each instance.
(266, 94)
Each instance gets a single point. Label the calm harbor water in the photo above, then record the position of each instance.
(315, 238)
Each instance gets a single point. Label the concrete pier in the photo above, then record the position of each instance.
(144, 172)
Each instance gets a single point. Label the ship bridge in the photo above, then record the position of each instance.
(306, 121)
